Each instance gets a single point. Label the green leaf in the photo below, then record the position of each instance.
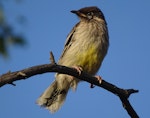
(16, 40)
(3, 49)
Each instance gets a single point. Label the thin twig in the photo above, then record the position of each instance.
(52, 59)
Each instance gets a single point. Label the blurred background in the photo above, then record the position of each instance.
(29, 30)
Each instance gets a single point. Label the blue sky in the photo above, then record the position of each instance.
(48, 23)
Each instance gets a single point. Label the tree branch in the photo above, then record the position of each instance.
(123, 94)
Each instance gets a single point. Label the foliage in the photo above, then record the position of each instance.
(7, 36)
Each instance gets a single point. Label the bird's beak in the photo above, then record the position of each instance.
(78, 13)
(74, 11)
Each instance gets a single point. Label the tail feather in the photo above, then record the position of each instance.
(53, 97)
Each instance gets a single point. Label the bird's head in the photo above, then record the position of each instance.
(89, 13)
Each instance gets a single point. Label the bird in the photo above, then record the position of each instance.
(85, 48)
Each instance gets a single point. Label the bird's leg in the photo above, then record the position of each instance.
(99, 79)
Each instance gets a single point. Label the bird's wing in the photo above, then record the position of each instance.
(69, 41)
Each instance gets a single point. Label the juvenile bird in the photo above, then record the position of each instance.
(85, 48)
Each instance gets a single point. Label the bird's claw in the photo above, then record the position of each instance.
(99, 80)
(78, 68)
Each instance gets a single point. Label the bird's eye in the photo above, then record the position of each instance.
(90, 15)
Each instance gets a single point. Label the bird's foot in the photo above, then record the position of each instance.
(99, 79)
(78, 68)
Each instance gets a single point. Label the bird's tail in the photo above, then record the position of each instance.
(53, 97)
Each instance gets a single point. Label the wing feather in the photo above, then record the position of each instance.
(69, 41)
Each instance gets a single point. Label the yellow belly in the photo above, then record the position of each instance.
(90, 59)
